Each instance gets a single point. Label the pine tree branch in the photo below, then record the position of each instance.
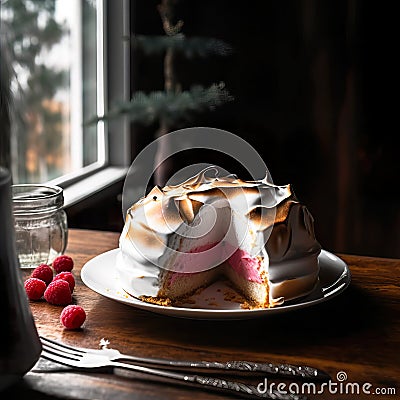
(169, 106)
(190, 47)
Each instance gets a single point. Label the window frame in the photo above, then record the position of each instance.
(113, 62)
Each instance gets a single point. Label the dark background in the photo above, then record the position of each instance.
(313, 83)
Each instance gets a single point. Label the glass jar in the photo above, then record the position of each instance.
(41, 230)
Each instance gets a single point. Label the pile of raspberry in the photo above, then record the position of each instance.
(57, 289)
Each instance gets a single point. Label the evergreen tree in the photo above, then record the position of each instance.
(172, 106)
(27, 28)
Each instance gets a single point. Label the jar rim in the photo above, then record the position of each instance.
(51, 191)
(36, 199)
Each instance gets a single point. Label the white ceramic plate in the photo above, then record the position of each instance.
(101, 275)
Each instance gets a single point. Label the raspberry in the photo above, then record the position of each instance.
(66, 276)
(43, 272)
(63, 263)
(58, 292)
(72, 317)
(34, 288)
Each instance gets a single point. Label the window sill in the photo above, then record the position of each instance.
(93, 184)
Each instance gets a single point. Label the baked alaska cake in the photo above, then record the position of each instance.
(254, 234)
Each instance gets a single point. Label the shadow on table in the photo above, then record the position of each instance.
(351, 312)
(352, 315)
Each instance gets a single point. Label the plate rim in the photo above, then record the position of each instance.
(202, 313)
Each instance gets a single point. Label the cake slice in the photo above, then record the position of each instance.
(255, 234)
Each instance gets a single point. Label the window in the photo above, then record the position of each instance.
(54, 49)
(59, 61)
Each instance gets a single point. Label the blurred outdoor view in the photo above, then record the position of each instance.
(49, 47)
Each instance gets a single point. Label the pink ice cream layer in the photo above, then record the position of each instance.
(246, 265)
(241, 261)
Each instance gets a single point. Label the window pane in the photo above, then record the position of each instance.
(51, 47)
(89, 81)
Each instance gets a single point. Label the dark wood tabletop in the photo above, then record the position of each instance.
(357, 332)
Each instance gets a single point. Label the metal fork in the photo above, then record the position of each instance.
(92, 360)
(286, 370)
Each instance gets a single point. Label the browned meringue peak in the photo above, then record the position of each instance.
(175, 204)
(293, 233)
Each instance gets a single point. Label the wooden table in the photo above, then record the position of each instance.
(357, 332)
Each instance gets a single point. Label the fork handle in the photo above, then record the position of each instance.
(294, 371)
(216, 384)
